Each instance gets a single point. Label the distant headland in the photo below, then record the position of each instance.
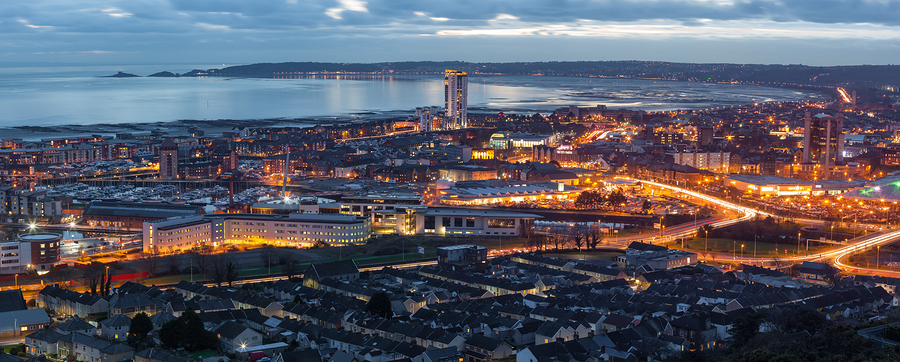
(760, 74)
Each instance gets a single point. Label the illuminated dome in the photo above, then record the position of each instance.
(886, 188)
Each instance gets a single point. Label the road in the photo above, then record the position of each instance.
(839, 255)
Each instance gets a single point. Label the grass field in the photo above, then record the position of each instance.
(725, 246)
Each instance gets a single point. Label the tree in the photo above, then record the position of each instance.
(646, 207)
(93, 276)
(231, 272)
(578, 235)
(107, 286)
(831, 274)
(795, 318)
(173, 264)
(745, 328)
(290, 270)
(140, 327)
(151, 260)
(200, 259)
(187, 332)
(380, 305)
(616, 198)
(219, 269)
(268, 256)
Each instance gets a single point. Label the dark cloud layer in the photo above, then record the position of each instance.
(48, 26)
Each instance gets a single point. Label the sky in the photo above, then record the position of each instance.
(231, 32)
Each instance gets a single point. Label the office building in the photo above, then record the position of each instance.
(823, 143)
(456, 94)
(35, 251)
(298, 229)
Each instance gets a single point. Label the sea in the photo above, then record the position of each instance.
(53, 94)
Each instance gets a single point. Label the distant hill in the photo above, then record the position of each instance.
(874, 75)
(121, 74)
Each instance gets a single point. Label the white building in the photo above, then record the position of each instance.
(718, 162)
(454, 221)
(509, 140)
(456, 94)
(183, 233)
(34, 251)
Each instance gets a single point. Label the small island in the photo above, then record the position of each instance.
(122, 74)
(164, 74)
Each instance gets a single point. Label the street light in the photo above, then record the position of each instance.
(742, 251)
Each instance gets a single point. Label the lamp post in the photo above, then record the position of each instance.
(17, 280)
(707, 239)
(742, 251)
(798, 243)
(877, 256)
(754, 245)
(733, 249)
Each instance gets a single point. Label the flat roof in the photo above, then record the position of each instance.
(446, 211)
(760, 180)
(39, 236)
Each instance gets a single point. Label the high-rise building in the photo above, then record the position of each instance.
(456, 94)
(823, 142)
(168, 160)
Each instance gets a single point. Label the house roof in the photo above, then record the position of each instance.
(230, 329)
(11, 300)
(74, 324)
(46, 335)
(333, 269)
(120, 320)
(485, 343)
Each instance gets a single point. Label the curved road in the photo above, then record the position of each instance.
(838, 254)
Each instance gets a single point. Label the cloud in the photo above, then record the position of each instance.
(52, 26)
(347, 5)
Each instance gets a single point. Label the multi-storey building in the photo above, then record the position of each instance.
(168, 160)
(823, 143)
(184, 233)
(456, 94)
(34, 251)
(718, 162)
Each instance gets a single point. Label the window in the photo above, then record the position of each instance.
(470, 222)
(502, 223)
(457, 222)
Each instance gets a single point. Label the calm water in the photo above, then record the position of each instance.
(43, 96)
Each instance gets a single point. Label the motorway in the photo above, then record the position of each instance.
(839, 255)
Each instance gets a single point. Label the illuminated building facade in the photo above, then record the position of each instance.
(456, 94)
(823, 143)
(298, 229)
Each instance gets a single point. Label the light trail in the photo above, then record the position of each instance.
(839, 255)
(844, 95)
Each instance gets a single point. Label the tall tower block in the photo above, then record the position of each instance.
(168, 160)
(456, 94)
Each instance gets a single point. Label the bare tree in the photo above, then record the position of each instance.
(288, 259)
(151, 261)
(269, 256)
(578, 235)
(93, 276)
(173, 263)
(231, 272)
(218, 268)
(63, 277)
(200, 258)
